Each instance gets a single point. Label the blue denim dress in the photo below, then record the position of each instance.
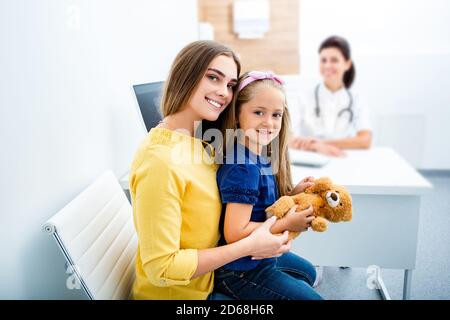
(247, 179)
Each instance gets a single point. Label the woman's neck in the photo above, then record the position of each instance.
(334, 86)
(181, 120)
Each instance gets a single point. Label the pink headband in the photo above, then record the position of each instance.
(259, 75)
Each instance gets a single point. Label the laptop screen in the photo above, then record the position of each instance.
(149, 97)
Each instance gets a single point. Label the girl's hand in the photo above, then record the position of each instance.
(302, 185)
(264, 244)
(328, 149)
(299, 221)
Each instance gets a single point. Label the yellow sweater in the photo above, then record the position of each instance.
(176, 207)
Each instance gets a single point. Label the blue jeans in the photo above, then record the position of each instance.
(218, 296)
(288, 277)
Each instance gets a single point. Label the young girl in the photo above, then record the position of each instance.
(256, 172)
(176, 203)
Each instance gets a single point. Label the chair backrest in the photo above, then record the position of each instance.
(148, 97)
(96, 234)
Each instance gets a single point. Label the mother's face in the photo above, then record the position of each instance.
(214, 92)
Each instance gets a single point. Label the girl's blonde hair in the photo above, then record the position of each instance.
(280, 158)
(185, 74)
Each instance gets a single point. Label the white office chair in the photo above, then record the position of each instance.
(96, 235)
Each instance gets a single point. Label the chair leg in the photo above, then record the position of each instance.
(319, 275)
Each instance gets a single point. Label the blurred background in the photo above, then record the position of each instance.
(67, 111)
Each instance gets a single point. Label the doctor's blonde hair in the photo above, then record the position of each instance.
(280, 157)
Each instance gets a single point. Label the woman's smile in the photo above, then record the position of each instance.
(215, 103)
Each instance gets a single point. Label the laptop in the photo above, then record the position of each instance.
(148, 96)
(307, 158)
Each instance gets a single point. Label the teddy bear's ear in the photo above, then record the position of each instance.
(320, 185)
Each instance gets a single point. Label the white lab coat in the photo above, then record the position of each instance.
(305, 123)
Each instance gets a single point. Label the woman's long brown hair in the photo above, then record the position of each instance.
(185, 74)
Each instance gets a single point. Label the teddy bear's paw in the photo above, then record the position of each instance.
(319, 224)
(280, 207)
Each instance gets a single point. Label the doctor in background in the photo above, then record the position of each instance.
(332, 117)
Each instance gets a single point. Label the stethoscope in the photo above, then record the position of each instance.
(348, 109)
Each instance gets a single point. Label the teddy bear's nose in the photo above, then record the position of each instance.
(332, 199)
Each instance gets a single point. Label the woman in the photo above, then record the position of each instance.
(176, 203)
(332, 117)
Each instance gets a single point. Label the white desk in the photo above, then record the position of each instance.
(386, 194)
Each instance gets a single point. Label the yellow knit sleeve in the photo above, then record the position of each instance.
(159, 189)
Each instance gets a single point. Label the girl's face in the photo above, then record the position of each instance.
(214, 92)
(261, 117)
(333, 65)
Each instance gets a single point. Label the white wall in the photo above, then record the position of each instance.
(67, 114)
(401, 51)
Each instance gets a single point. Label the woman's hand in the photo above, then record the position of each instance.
(264, 244)
(302, 185)
(327, 149)
(302, 143)
(299, 221)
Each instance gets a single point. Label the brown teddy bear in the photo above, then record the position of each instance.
(330, 202)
